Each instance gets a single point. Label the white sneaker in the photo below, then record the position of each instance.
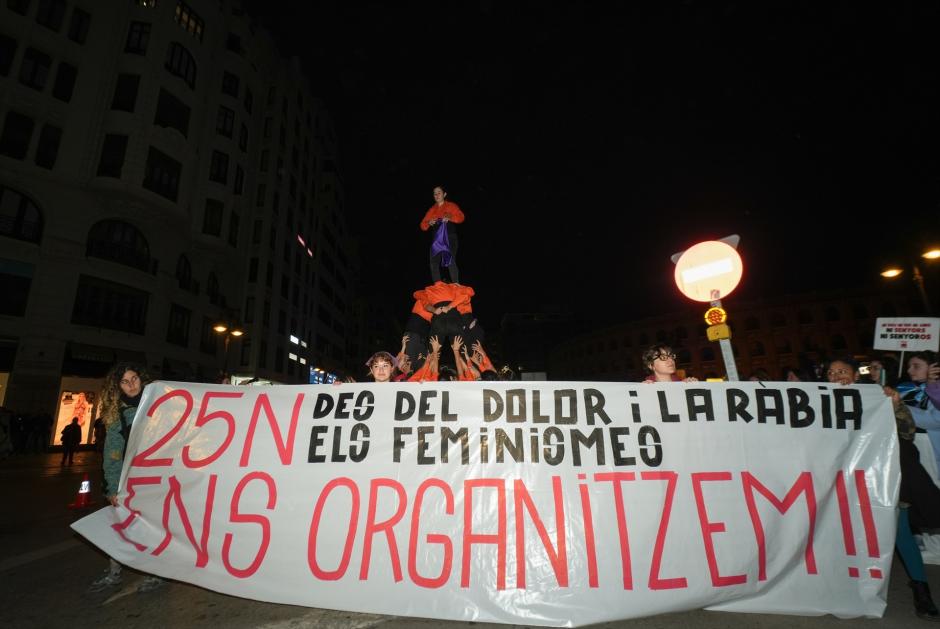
(150, 584)
(108, 579)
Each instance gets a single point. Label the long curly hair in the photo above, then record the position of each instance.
(111, 391)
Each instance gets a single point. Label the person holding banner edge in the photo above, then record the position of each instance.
(844, 371)
(660, 361)
(123, 387)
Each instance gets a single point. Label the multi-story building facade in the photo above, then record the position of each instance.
(770, 335)
(162, 169)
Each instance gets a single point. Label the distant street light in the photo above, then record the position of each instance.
(229, 330)
(894, 271)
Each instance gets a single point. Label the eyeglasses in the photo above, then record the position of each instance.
(665, 356)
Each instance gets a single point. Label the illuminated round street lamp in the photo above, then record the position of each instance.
(895, 271)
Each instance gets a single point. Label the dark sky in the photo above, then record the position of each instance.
(586, 143)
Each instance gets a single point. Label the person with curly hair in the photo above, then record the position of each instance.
(120, 397)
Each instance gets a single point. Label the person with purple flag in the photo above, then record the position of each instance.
(443, 215)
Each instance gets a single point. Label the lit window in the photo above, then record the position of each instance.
(188, 20)
(294, 339)
(292, 357)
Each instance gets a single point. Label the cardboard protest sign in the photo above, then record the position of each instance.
(546, 503)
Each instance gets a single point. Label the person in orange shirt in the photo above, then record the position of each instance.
(444, 215)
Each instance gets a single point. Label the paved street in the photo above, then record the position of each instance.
(45, 570)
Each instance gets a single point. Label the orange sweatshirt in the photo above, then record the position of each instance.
(456, 295)
(447, 209)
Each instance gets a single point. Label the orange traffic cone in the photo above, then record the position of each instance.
(83, 499)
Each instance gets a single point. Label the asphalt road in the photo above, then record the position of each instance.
(45, 570)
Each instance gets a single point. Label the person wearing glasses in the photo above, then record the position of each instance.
(660, 362)
(443, 215)
(919, 498)
(120, 397)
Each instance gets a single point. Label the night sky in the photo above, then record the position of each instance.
(586, 143)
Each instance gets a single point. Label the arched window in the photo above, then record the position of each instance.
(757, 348)
(832, 313)
(805, 317)
(708, 354)
(212, 288)
(751, 323)
(20, 218)
(184, 273)
(119, 242)
(778, 320)
(860, 311)
(180, 63)
(685, 357)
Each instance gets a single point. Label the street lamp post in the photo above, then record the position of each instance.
(916, 275)
(228, 330)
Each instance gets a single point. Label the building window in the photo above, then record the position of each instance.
(225, 121)
(212, 218)
(112, 156)
(243, 138)
(212, 289)
(51, 13)
(78, 26)
(119, 242)
(832, 314)
(751, 323)
(125, 92)
(805, 317)
(109, 305)
(261, 194)
(180, 63)
(188, 20)
(184, 273)
(249, 100)
(230, 84)
(34, 71)
(218, 168)
(778, 320)
(64, 82)
(233, 230)
(208, 338)
(234, 43)
(20, 218)
(172, 113)
(263, 162)
(253, 270)
(239, 180)
(757, 348)
(48, 148)
(859, 311)
(17, 132)
(263, 355)
(15, 280)
(137, 38)
(177, 331)
(708, 354)
(162, 174)
(246, 352)
(7, 53)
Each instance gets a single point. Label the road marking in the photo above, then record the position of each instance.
(36, 555)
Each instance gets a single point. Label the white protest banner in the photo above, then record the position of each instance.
(908, 334)
(545, 503)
